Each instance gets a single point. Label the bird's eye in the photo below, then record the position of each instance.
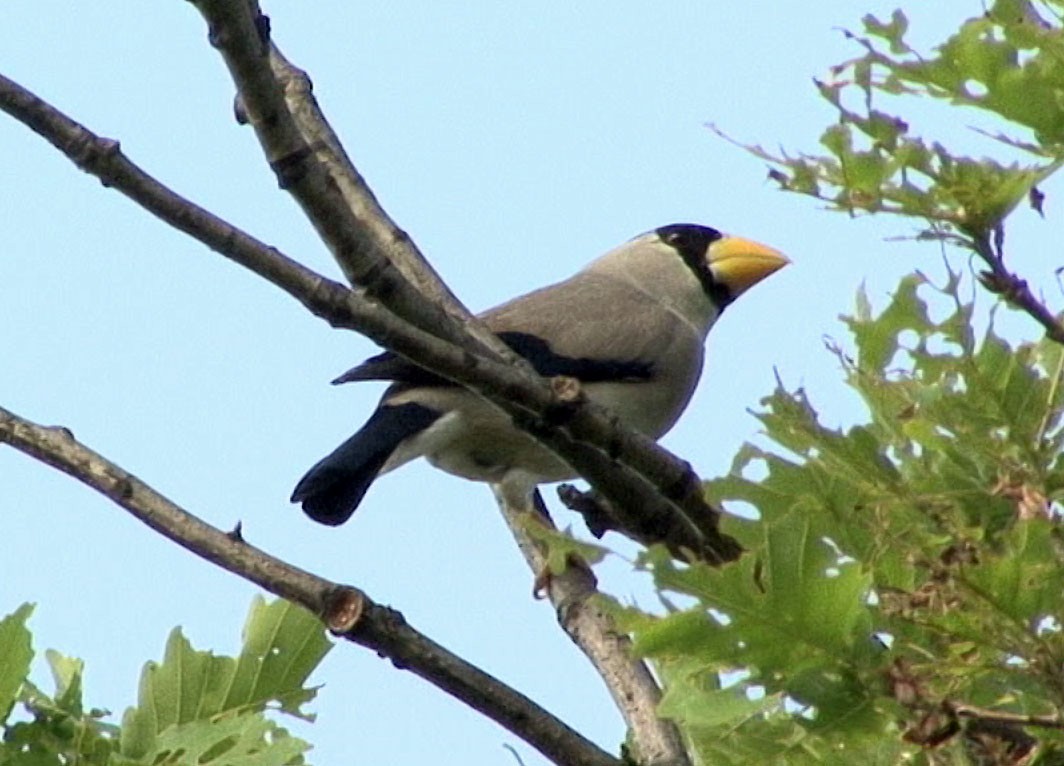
(691, 237)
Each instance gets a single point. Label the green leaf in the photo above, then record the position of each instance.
(692, 705)
(16, 653)
(920, 544)
(1005, 63)
(893, 31)
(1023, 582)
(59, 731)
(878, 341)
(67, 673)
(283, 643)
(194, 707)
(792, 605)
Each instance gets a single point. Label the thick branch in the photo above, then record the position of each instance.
(655, 740)
(663, 502)
(375, 224)
(310, 165)
(670, 508)
(346, 610)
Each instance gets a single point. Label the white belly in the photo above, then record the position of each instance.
(479, 442)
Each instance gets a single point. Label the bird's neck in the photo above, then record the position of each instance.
(679, 292)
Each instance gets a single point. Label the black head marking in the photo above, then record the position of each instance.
(691, 241)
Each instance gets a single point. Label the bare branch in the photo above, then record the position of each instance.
(310, 164)
(661, 499)
(632, 685)
(1013, 289)
(375, 223)
(347, 611)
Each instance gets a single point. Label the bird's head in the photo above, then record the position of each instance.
(693, 270)
(726, 266)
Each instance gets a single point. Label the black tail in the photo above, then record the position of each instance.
(333, 488)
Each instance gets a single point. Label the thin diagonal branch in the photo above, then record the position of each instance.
(346, 610)
(570, 426)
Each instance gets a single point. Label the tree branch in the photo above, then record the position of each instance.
(362, 241)
(1003, 717)
(671, 508)
(632, 685)
(375, 224)
(365, 241)
(1013, 289)
(347, 611)
(630, 682)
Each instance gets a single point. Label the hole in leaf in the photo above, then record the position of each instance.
(908, 339)
(1047, 624)
(729, 678)
(720, 617)
(743, 510)
(217, 750)
(756, 470)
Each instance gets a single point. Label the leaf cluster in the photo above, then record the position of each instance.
(1007, 62)
(903, 593)
(193, 707)
(905, 579)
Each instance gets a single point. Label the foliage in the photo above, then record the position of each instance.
(560, 547)
(193, 707)
(902, 595)
(1005, 62)
(902, 574)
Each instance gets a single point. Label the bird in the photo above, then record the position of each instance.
(630, 327)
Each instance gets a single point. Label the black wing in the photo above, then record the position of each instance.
(391, 366)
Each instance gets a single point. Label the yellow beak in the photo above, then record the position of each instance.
(739, 263)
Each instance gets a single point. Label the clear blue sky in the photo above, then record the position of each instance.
(514, 145)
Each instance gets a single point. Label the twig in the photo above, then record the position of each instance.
(1002, 717)
(1013, 289)
(629, 680)
(346, 610)
(661, 499)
